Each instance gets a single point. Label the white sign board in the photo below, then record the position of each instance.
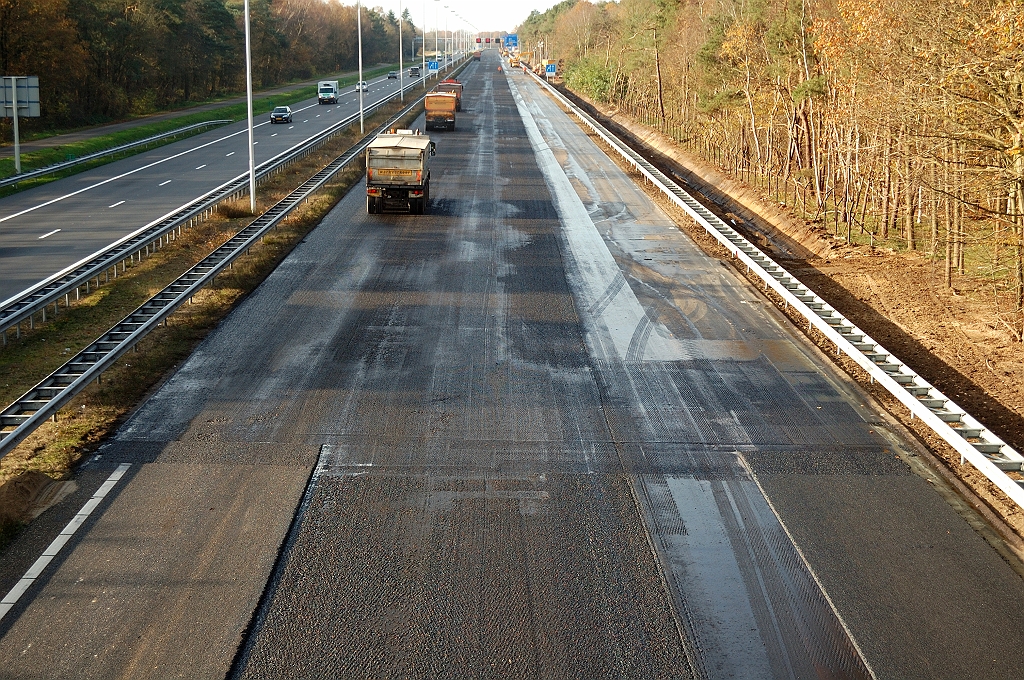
(28, 96)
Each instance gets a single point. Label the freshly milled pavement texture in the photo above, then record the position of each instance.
(532, 433)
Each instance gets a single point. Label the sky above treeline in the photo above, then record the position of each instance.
(485, 16)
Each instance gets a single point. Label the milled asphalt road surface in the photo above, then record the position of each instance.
(536, 425)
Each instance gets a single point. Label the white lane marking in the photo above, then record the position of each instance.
(49, 233)
(317, 115)
(274, 135)
(306, 121)
(290, 127)
(255, 142)
(122, 175)
(163, 183)
(201, 166)
(115, 204)
(229, 154)
(51, 551)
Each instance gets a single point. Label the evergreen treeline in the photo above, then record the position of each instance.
(900, 121)
(105, 59)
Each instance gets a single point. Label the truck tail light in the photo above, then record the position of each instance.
(373, 192)
(419, 175)
(415, 193)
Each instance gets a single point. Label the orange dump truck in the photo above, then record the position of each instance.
(454, 86)
(476, 56)
(440, 110)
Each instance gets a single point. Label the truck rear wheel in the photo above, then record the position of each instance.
(373, 206)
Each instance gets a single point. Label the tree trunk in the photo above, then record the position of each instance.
(886, 186)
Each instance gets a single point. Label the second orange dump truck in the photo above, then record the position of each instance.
(454, 86)
(440, 110)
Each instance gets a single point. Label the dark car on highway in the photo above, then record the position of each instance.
(282, 114)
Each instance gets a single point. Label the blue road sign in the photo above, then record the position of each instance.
(511, 40)
(551, 69)
(433, 66)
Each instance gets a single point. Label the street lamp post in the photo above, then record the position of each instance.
(401, 66)
(423, 52)
(436, 55)
(248, 99)
(359, 33)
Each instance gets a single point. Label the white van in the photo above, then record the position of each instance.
(327, 92)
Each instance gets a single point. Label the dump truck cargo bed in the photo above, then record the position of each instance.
(398, 172)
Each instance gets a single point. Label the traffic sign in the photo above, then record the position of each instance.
(26, 94)
(551, 69)
(512, 40)
(433, 66)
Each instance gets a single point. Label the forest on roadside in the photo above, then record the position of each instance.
(893, 122)
(100, 60)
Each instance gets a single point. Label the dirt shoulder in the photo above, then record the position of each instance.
(952, 337)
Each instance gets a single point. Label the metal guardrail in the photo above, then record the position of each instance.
(47, 397)
(57, 167)
(973, 441)
(104, 263)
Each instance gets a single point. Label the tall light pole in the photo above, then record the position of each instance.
(436, 55)
(447, 49)
(359, 33)
(248, 99)
(423, 52)
(401, 66)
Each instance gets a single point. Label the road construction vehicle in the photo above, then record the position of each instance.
(454, 86)
(398, 172)
(476, 56)
(440, 110)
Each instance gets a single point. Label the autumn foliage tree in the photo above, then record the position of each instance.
(892, 122)
(99, 60)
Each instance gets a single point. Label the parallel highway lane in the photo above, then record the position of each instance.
(549, 437)
(48, 228)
